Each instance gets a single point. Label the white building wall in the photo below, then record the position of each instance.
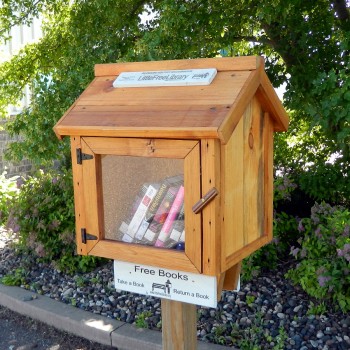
(20, 36)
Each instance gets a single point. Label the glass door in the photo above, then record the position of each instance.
(138, 198)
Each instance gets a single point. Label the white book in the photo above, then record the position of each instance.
(141, 211)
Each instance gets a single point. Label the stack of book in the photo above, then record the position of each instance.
(157, 215)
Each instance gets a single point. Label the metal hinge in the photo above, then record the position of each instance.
(82, 156)
(87, 236)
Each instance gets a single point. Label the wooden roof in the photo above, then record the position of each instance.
(187, 112)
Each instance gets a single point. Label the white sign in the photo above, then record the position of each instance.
(165, 78)
(164, 283)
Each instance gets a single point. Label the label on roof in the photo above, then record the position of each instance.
(188, 77)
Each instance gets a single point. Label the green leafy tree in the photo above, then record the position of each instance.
(305, 43)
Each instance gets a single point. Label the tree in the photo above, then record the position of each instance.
(305, 43)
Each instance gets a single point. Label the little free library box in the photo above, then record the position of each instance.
(173, 163)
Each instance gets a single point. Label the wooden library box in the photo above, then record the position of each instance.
(173, 162)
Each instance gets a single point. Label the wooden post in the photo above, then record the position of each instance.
(179, 325)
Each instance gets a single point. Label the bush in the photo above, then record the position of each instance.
(323, 255)
(8, 191)
(42, 217)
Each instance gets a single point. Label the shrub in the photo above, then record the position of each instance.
(8, 191)
(323, 255)
(42, 217)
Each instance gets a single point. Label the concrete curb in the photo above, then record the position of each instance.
(122, 336)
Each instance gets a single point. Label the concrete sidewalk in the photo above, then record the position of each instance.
(122, 336)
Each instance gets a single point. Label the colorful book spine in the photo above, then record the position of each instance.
(151, 211)
(141, 211)
(160, 216)
(173, 213)
(178, 229)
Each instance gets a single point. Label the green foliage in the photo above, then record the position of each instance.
(8, 192)
(141, 319)
(323, 256)
(318, 309)
(332, 114)
(328, 181)
(306, 154)
(281, 339)
(219, 334)
(16, 278)
(283, 189)
(80, 281)
(42, 217)
(248, 338)
(250, 299)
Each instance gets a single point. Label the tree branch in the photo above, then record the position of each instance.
(279, 45)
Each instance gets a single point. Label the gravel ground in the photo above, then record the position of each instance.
(269, 313)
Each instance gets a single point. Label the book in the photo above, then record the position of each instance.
(159, 218)
(156, 202)
(123, 227)
(177, 233)
(150, 207)
(173, 213)
(141, 211)
(152, 211)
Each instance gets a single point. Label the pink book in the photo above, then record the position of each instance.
(159, 218)
(174, 211)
